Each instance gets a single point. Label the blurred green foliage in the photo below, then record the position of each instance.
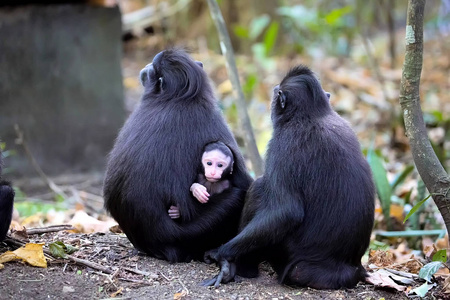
(27, 206)
(434, 119)
(384, 188)
(310, 28)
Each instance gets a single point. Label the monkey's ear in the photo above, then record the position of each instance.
(328, 95)
(282, 99)
(143, 76)
(161, 81)
(199, 63)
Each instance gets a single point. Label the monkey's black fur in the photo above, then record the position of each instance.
(6, 203)
(155, 160)
(312, 212)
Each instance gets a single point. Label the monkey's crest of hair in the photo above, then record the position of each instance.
(304, 94)
(218, 145)
(177, 76)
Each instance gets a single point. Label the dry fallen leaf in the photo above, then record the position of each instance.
(116, 229)
(442, 272)
(30, 253)
(33, 221)
(446, 286)
(381, 258)
(180, 295)
(87, 224)
(15, 225)
(413, 266)
(20, 234)
(397, 212)
(442, 243)
(429, 250)
(382, 278)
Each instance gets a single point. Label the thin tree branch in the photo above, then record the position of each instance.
(21, 141)
(52, 228)
(227, 50)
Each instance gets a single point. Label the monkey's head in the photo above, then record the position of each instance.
(173, 74)
(299, 95)
(217, 161)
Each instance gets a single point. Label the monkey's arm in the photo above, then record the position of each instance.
(260, 232)
(271, 223)
(271, 212)
(222, 210)
(268, 227)
(199, 192)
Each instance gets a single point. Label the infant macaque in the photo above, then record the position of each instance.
(217, 165)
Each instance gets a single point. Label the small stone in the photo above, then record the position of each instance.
(68, 289)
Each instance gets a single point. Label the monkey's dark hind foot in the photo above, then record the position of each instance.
(210, 282)
(227, 274)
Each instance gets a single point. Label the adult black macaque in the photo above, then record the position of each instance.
(6, 203)
(311, 214)
(155, 160)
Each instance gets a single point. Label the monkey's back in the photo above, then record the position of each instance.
(148, 169)
(333, 181)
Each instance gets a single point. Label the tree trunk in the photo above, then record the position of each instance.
(227, 51)
(430, 169)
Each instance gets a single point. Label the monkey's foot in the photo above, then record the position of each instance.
(227, 274)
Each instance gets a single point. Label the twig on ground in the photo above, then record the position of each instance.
(109, 277)
(139, 272)
(165, 277)
(184, 287)
(53, 228)
(86, 263)
(136, 281)
(77, 260)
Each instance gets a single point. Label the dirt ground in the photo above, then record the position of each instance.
(137, 276)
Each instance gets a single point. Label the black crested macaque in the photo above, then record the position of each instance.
(311, 214)
(216, 169)
(178, 115)
(6, 203)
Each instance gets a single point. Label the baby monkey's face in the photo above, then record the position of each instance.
(215, 163)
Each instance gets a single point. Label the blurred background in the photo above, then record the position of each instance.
(69, 79)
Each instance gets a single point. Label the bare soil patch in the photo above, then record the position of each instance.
(138, 276)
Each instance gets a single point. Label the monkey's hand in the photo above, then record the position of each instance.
(226, 274)
(199, 192)
(174, 212)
